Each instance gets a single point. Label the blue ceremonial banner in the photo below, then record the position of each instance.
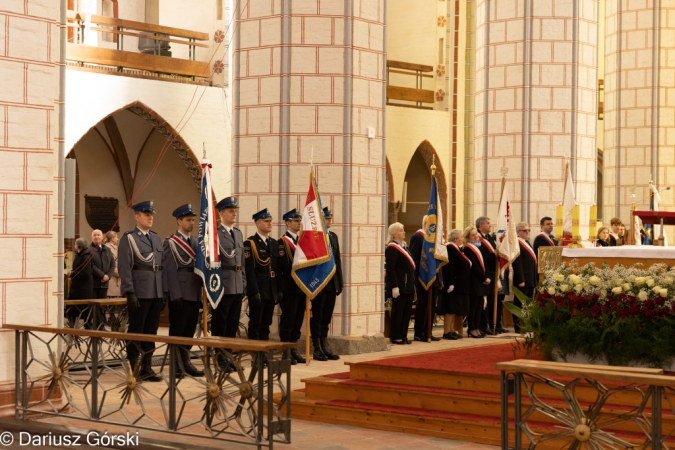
(313, 264)
(207, 265)
(434, 253)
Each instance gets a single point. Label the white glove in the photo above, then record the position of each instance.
(395, 293)
(484, 302)
(499, 284)
(451, 288)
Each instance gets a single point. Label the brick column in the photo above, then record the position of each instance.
(536, 76)
(310, 74)
(639, 104)
(29, 55)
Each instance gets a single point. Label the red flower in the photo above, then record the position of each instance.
(649, 314)
(633, 309)
(659, 301)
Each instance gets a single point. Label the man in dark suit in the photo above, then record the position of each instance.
(293, 304)
(324, 303)
(524, 267)
(139, 260)
(225, 318)
(422, 305)
(545, 238)
(102, 264)
(181, 284)
(487, 248)
(263, 286)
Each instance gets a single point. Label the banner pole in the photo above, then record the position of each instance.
(496, 280)
(307, 316)
(205, 326)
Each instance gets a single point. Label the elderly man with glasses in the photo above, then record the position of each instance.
(524, 267)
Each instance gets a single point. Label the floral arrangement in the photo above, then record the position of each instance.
(623, 316)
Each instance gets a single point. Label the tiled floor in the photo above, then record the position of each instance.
(308, 435)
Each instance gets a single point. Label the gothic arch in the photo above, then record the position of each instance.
(428, 152)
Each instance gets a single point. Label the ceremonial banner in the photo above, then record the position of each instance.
(313, 264)
(654, 206)
(207, 265)
(434, 253)
(507, 238)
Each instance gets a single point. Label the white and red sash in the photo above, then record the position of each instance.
(476, 251)
(402, 250)
(548, 239)
(460, 252)
(289, 241)
(487, 244)
(421, 231)
(183, 245)
(529, 249)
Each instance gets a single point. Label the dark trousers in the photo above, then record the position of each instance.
(401, 309)
(487, 318)
(422, 310)
(144, 321)
(475, 311)
(225, 318)
(260, 318)
(292, 315)
(100, 292)
(322, 313)
(183, 320)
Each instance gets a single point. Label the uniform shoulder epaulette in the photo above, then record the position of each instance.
(235, 228)
(150, 231)
(128, 232)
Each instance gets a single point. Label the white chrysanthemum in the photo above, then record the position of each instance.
(617, 290)
(640, 281)
(594, 280)
(559, 277)
(650, 282)
(551, 291)
(564, 287)
(663, 292)
(667, 281)
(626, 287)
(642, 296)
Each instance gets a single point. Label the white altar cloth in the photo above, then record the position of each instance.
(624, 251)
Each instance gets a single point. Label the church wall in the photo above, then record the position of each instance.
(29, 53)
(312, 76)
(91, 97)
(639, 105)
(536, 81)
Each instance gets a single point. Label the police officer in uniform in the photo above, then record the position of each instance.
(263, 287)
(225, 318)
(182, 286)
(293, 302)
(139, 260)
(324, 303)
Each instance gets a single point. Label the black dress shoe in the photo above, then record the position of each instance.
(420, 339)
(297, 357)
(489, 332)
(398, 342)
(450, 336)
(150, 375)
(435, 339)
(502, 330)
(457, 335)
(408, 342)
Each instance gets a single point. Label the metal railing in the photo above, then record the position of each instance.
(83, 378)
(561, 405)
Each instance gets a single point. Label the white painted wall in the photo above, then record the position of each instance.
(91, 97)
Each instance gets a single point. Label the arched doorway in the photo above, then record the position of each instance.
(418, 187)
(132, 155)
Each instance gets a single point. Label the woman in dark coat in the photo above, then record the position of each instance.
(401, 281)
(479, 282)
(82, 283)
(455, 296)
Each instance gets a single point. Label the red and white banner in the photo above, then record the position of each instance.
(507, 238)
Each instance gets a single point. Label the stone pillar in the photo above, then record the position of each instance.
(309, 79)
(639, 104)
(536, 99)
(29, 57)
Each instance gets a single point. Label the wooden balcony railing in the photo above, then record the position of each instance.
(157, 62)
(417, 95)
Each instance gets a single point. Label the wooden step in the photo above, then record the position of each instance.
(446, 400)
(465, 427)
(470, 382)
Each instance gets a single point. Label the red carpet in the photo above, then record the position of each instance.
(479, 360)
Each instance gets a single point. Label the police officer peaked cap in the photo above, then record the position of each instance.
(183, 211)
(262, 214)
(327, 213)
(145, 206)
(292, 214)
(227, 202)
